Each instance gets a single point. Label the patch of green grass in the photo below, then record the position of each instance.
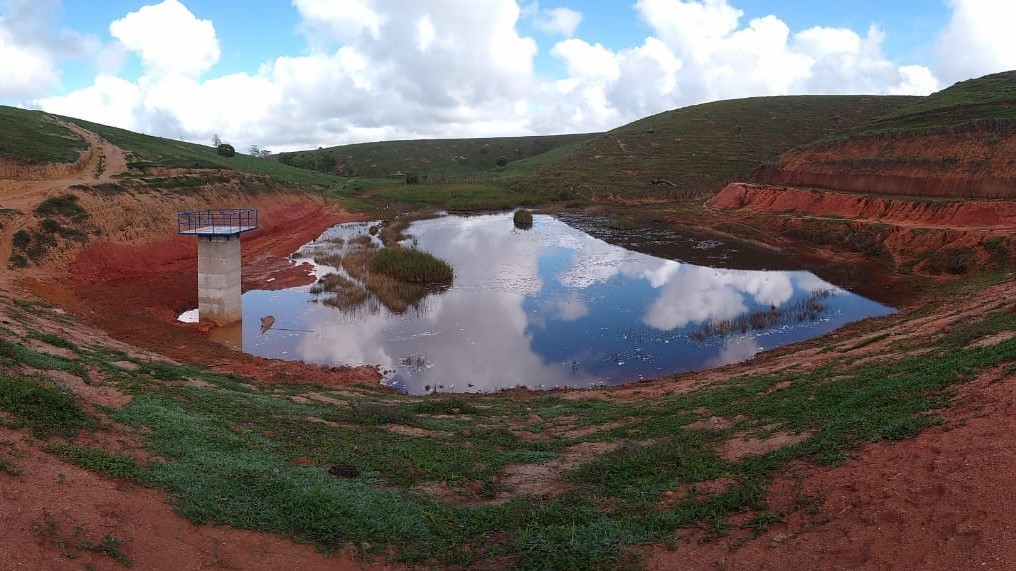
(694, 151)
(964, 333)
(52, 339)
(865, 342)
(522, 217)
(412, 266)
(65, 206)
(452, 197)
(439, 161)
(31, 137)
(46, 409)
(148, 151)
(115, 465)
(12, 353)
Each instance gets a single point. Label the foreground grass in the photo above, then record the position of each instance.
(358, 466)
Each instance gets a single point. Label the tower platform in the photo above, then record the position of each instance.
(217, 222)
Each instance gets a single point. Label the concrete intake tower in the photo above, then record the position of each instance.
(218, 233)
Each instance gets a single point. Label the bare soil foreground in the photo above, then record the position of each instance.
(944, 499)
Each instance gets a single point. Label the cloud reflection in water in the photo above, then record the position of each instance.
(551, 306)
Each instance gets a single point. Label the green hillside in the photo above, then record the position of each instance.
(31, 137)
(148, 151)
(984, 103)
(436, 160)
(696, 150)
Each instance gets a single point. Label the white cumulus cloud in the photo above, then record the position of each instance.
(560, 21)
(978, 40)
(391, 69)
(168, 38)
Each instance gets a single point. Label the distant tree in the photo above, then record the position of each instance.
(412, 178)
(502, 161)
(324, 161)
(255, 151)
(226, 150)
(265, 153)
(216, 141)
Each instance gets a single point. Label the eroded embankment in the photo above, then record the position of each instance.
(974, 164)
(134, 290)
(924, 235)
(983, 214)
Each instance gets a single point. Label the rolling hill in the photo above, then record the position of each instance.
(955, 143)
(436, 160)
(694, 151)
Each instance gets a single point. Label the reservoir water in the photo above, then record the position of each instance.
(553, 306)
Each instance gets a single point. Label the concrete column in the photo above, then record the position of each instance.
(219, 279)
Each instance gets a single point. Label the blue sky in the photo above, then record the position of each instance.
(286, 75)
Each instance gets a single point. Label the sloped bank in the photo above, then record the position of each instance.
(135, 285)
(906, 231)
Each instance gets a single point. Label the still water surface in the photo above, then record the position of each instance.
(553, 306)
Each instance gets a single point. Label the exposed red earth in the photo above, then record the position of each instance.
(943, 500)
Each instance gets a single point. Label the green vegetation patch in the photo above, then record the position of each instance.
(31, 137)
(412, 266)
(362, 467)
(115, 464)
(381, 196)
(523, 217)
(65, 206)
(694, 151)
(148, 151)
(440, 161)
(46, 409)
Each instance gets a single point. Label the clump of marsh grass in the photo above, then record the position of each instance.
(523, 218)
(810, 308)
(411, 266)
(395, 277)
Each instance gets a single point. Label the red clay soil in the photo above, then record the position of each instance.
(942, 501)
(999, 216)
(976, 164)
(135, 292)
(907, 229)
(51, 511)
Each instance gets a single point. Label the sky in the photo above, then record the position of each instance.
(308, 73)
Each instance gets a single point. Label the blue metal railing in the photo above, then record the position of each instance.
(217, 222)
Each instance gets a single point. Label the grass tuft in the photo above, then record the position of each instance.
(412, 266)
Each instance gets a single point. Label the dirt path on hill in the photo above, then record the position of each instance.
(105, 161)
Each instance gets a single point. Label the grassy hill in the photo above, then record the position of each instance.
(437, 160)
(147, 151)
(959, 142)
(984, 102)
(696, 150)
(30, 138)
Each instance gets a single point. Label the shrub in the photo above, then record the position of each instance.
(226, 150)
(21, 239)
(65, 205)
(523, 218)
